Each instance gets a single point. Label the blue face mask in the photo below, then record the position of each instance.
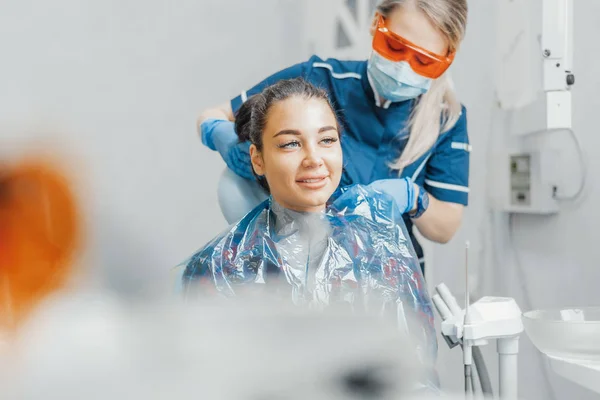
(396, 81)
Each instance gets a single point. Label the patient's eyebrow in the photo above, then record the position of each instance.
(296, 132)
(287, 132)
(327, 128)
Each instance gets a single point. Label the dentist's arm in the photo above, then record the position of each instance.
(440, 221)
(216, 130)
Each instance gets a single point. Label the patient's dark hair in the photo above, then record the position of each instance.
(251, 118)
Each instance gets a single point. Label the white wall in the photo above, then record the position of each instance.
(118, 85)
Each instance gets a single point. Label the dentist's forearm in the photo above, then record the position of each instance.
(441, 220)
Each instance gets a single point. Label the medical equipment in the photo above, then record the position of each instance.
(557, 43)
(529, 168)
(554, 111)
(570, 338)
(491, 318)
(467, 345)
(557, 50)
(532, 182)
(488, 318)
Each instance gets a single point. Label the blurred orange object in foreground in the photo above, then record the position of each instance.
(39, 232)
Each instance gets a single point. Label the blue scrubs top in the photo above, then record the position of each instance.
(374, 134)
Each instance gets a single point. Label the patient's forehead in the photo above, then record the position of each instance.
(307, 115)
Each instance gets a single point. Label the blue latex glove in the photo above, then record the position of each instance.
(402, 190)
(219, 135)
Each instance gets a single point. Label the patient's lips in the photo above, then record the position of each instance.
(313, 182)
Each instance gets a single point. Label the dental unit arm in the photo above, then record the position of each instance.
(557, 50)
(488, 318)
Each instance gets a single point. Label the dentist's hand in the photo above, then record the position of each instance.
(219, 135)
(402, 190)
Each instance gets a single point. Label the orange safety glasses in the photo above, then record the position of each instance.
(396, 48)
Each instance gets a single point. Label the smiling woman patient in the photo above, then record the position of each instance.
(295, 151)
(315, 245)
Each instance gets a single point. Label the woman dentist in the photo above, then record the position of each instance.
(405, 132)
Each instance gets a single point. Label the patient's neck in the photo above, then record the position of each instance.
(286, 217)
(301, 210)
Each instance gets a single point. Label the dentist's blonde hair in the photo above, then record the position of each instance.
(437, 110)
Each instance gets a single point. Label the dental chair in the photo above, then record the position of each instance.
(238, 196)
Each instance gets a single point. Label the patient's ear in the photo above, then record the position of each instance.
(257, 160)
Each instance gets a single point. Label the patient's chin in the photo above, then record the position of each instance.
(316, 200)
(304, 200)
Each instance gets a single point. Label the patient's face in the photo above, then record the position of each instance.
(301, 156)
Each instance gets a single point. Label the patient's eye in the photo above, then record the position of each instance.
(289, 145)
(329, 141)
